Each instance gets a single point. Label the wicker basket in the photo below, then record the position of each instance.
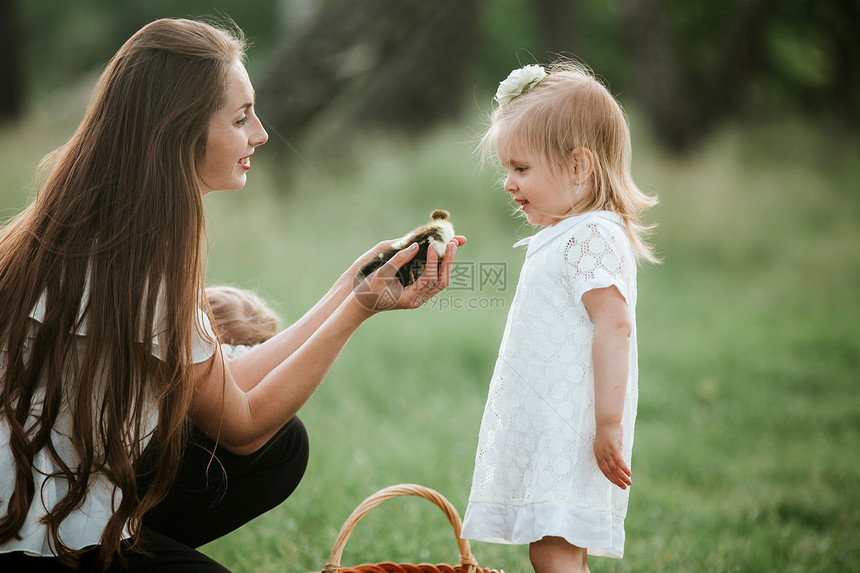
(467, 560)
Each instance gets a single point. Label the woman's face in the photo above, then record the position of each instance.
(234, 132)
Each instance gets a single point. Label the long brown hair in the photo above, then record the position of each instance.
(120, 205)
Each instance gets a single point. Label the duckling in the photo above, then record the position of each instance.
(438, 233)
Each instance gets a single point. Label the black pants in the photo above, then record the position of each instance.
(201, 506)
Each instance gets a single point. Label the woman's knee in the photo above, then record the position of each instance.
(289, 447)
(284, 458)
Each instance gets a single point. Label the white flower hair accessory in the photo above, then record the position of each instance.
(519, 82)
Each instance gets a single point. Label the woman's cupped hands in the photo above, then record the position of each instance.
(383, 291)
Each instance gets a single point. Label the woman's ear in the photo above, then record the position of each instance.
(582, 164)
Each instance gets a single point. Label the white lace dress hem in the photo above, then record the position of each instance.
(602, 533)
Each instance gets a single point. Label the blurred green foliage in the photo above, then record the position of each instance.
(808, 62)
(66, 40)
(749, 359)
(749, 353)
(749, 417)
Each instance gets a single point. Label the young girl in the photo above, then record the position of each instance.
(105, 351)
(553, 462)
(241, 318)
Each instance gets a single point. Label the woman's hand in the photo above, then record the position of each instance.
(245, 401)
(383, 291)
(381, 246)
(366, 258)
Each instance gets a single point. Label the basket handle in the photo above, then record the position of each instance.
(467, 560)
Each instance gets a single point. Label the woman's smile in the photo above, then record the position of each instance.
(234, 129)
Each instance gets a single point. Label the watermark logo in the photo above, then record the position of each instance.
(474, 277)
(462, 276)
(494, 275)
(444, 301)
(472, 286)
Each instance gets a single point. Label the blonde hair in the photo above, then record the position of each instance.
(241, 316)
(568, 110)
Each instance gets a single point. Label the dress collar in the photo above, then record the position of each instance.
(547, 234)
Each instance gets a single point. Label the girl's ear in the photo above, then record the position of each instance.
(582, 164)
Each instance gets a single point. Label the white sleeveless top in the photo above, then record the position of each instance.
(84, 526)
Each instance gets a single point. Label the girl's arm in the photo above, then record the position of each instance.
(243, 403)
(610, 352)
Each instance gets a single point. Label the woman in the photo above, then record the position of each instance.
(105, 352)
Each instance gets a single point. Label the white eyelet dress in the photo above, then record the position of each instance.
(535, 471)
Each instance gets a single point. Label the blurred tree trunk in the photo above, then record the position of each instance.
(392, 63)
(845, 91)
(841, 90)
(557, 21)
(11, 86)
(684, 105)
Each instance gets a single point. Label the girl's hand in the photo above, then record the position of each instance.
(382, 291)
(607, 450)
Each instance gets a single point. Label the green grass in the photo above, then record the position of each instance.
(749, 419)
